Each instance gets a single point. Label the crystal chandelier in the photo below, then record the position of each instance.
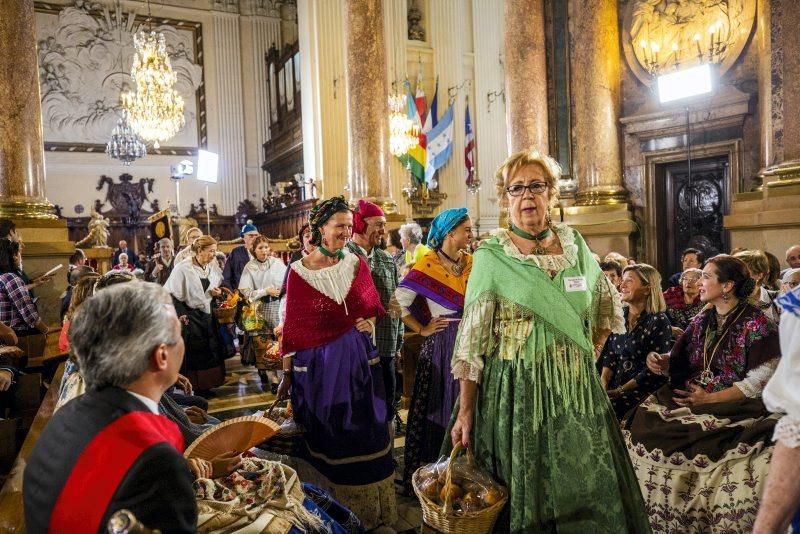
(155, 108)
(124, 144)
(403, 133)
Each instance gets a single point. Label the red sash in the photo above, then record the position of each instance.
(103, 464)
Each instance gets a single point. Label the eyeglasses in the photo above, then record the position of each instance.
(517, 190)
(692, 280)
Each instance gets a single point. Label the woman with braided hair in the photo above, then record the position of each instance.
(332, 365)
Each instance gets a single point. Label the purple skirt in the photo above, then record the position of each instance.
(435, 394)
(338, 396)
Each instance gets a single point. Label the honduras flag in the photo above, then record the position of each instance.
(440, 144)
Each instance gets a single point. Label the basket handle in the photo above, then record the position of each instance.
(457, 448)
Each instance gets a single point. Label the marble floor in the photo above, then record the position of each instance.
(242, 394)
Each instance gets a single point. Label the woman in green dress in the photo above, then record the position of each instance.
(537, 311)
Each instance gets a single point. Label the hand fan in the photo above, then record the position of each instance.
(239, 434)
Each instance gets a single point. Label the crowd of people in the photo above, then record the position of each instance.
(602, 396)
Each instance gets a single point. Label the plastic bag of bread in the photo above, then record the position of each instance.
(458, 484)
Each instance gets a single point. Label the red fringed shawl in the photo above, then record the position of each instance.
(314, 319)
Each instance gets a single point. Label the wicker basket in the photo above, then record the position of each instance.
(225, 315)
(443, 519)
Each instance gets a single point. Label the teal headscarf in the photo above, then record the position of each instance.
(443, 224)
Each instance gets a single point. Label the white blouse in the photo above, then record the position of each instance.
(184, 284)
(782, 393)
(257, 277)
(405, 297)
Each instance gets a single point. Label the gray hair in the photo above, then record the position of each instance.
(123, 254)
(412, 232)
(692, 270)
(166, 241)
(116, 330)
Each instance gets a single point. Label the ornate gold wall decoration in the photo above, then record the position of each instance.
(661, 36)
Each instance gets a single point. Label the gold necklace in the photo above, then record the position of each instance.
(706, 377)
(456, 266)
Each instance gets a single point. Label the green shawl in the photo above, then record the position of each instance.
(535, 322)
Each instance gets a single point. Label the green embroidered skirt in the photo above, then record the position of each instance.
(569, 473)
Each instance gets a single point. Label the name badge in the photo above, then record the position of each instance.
(575, 283)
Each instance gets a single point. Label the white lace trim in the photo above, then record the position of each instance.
(548, 262)
(463, 370)
(334, 282)
(787, 431)
(756, 380)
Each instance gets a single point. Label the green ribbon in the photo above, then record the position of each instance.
(339, 254)
(525, 235)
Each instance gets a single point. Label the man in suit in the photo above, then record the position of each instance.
(123, 249)
(369, 229)
(239, 257)
(109, 449)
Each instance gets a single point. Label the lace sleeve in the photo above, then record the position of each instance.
(608, 307)
(787, 431)
(756, 380)
(475, 339)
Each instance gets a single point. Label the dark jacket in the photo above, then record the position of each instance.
(156, 488)
(234, 267)
(161, 277)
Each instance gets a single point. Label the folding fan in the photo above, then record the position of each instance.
(239, 434)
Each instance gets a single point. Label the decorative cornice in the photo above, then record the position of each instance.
(228, 6)
(260, 8)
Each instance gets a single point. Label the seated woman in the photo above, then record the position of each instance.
(762, 297)
(683, 301)
(331, 362)
(8, 372)
(262, 284)
(123, 264)
(192, 284)
(625, 375)
(17, 308)
(701, 444)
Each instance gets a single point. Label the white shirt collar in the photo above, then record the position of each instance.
(147, 401)
(364, 251)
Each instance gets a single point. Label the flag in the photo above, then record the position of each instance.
(469, 148)
(432, 118)
(440, 144)
(414, 160)
(419, 99)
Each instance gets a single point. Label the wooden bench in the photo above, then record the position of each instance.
(12, 514)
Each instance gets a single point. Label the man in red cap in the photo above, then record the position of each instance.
(369, 229)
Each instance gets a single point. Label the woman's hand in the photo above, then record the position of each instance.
(196, 415)
(273, 291)
(283, 387)
(462, 429)
(184, 319)
(676, 332)
(658, 363)
(694, 397)
(200, 468)
(436, 325)
(215, 292)
(278, 330)
(225, 464)
(364, 325)
(183, 383)
(6, 379)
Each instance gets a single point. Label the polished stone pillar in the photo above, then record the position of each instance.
(21, 149)
(367, 102)
(526, 75)
(779, 80)
(596, 69)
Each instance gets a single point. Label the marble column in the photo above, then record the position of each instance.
(779, 83)
(596, 69)
(526, 75)
(228, 82)
(367, 108)
(21, 150)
